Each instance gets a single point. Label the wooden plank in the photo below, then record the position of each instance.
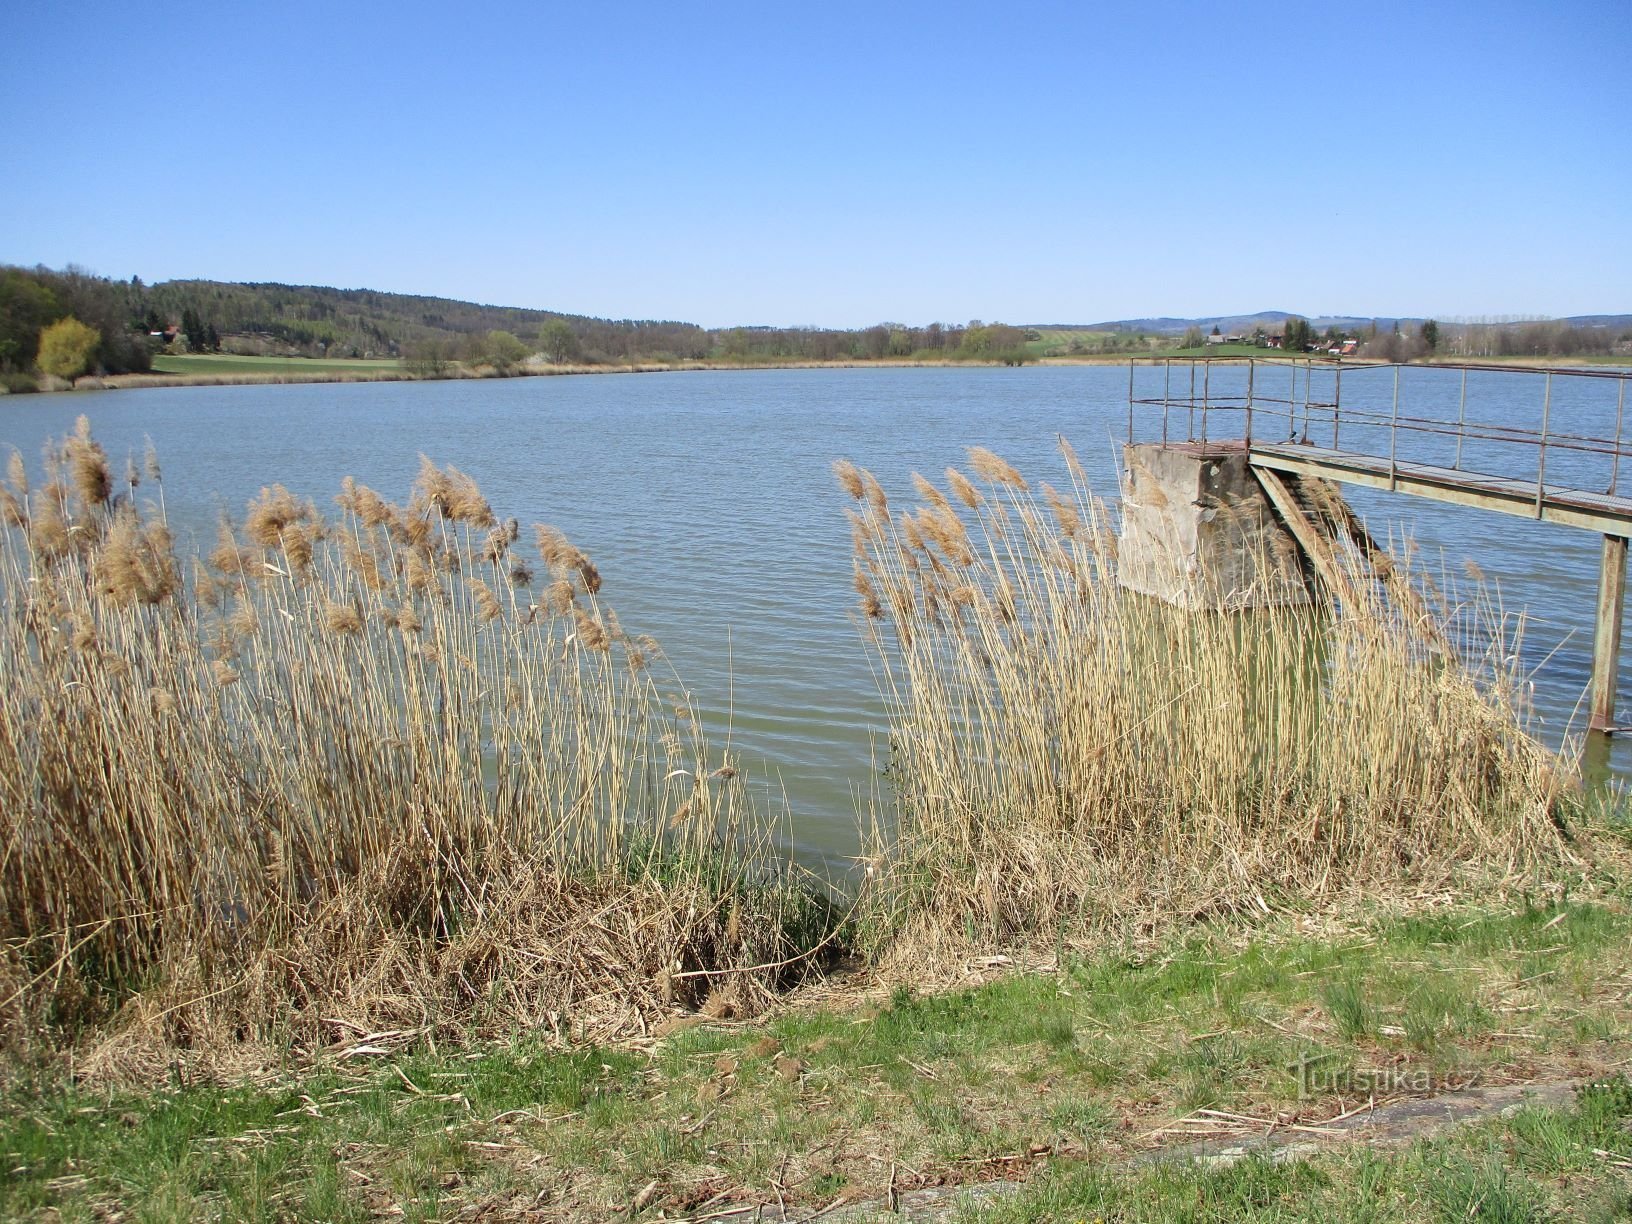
(1314, 545)
(1606, 639)
(1605, 515)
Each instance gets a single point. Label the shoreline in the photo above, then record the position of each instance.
(120, 382)
(116, 382)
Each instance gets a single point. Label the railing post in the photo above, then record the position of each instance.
(1606, 639)
(1615, 463)
(1541, 463)
(1292, 405)
(1394, 436)
(1337, 402)
(1206, 394)
(1130, 401)
(1308, 390)
(1190, 425)
(1461, 420)
(1252, 366)
(1167, 394)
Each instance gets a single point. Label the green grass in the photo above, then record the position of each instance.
(1538, 1165)
(1062, 1075)
(227, 363)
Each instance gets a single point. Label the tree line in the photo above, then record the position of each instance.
(1538, 338)
(122, 324)
(36, 305)
(430, 335)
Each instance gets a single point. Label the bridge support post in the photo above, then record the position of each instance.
(1606, 640)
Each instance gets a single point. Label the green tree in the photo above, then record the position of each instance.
(1192, 338)
(66, 348)
(192, 327)
(557, 341)
(26, 308)
(977, 339)
(429, 358)
(505, 351)
(1430, 334)
(735, 342)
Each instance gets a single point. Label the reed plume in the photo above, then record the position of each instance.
(88, 463)
(325, 777)
(1065, 752)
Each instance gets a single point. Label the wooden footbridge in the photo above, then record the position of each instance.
(1543, 443)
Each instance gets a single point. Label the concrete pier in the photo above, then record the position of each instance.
(1198, 531)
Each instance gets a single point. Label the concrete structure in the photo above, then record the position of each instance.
(1198, 531)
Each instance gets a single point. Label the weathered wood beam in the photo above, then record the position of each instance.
(1606, 638)
(1520, 499)
(1315, 546)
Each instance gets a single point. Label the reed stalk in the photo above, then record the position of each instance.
(1066, 753)
(353, 771)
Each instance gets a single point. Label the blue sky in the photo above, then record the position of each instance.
(838, 164)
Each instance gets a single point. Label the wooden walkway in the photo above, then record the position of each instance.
(1547, 502)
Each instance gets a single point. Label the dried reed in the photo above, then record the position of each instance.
(1063, 751)
(352, 770)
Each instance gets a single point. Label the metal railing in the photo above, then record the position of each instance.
(1389, 413)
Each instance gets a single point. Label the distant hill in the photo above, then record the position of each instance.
(316, 320)
(1617, 322)
(135, 320)
(1232, 324)
(1244, 323)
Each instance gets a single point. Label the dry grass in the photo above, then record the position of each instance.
(1064, 753)
(388, 775)
(351, 776)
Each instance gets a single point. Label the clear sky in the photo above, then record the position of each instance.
(837, 164)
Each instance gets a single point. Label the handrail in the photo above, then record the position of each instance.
(1262, 410)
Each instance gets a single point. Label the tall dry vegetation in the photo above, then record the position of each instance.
(381, 772)
(1063, 751)
(396, 770)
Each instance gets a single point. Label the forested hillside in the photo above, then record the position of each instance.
(316, 321)
(133, 321)
(64, 324)
(33, 300)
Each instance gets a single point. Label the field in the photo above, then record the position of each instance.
(1068, 344)
(223, 364)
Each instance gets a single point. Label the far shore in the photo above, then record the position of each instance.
(384, 374)
(377, 372)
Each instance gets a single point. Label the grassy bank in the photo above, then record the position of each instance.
(206, 364)
(1068, 1075)
(221, 370)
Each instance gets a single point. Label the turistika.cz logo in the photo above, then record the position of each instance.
(1325, 1074)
